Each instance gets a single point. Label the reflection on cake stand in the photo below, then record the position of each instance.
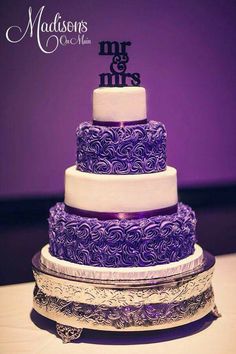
(123, 305)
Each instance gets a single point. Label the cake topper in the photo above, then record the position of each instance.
(117, 77)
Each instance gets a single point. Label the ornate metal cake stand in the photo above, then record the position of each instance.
(126, 305)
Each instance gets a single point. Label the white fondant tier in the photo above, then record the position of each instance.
(119, 104)
(120, 193)
(131, 273)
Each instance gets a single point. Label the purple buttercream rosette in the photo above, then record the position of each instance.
(133, 149)
(122, 243)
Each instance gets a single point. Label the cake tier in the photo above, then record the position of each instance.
(130, 149)
(126, 273)
(118, 104)
(120, 193)
(122, 243)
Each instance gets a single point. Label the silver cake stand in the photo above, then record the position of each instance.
(126, 305)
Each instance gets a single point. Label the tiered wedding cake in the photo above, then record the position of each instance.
(122, 250)
(121, 206)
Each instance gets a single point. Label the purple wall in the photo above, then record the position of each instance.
(186, 54)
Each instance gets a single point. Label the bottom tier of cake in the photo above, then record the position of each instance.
(144, 304)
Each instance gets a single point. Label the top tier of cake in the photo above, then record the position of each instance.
(119, 104)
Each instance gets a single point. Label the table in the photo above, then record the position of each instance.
(23, 331)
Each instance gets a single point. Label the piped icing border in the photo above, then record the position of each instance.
(132, 149)
(122, 243)
(135, 273)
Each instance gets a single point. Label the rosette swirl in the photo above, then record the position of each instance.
(135, 149)
(122, 243)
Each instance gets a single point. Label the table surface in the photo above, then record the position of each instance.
(22, 330)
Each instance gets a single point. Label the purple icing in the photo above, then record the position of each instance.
(132, 149)
(122, 243)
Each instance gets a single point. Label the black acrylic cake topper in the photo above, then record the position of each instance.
(117, 77)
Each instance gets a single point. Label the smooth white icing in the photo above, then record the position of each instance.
(119, 104)
(120, 193)
(130, 273)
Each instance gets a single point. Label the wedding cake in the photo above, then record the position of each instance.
(121, 205)
(122, 252)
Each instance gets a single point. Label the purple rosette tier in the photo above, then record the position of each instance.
(122, 243)
(133, 149)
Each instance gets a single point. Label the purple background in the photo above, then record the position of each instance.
(186, 54)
